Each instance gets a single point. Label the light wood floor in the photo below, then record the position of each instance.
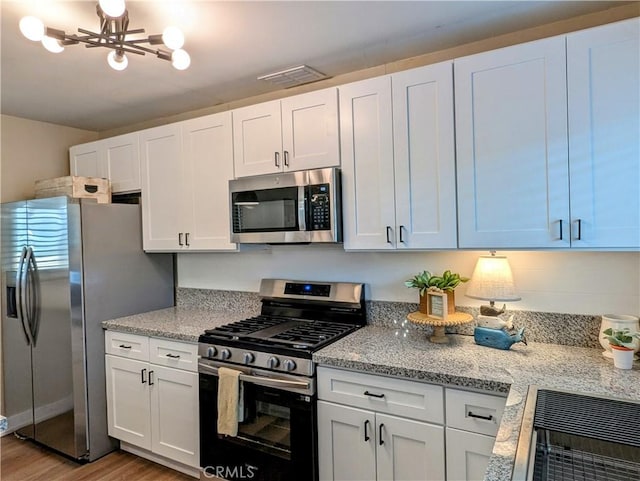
(26, 461)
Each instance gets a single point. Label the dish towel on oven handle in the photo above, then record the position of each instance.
(230, 401)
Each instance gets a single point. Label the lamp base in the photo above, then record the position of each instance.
(486, 310)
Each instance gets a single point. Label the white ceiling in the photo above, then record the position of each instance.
(231, 43)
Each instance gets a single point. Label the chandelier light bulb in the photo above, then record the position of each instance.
(117, 60)
(32, 28)
(180, 59)
(113, 8)
(53, 45)
(173, 38)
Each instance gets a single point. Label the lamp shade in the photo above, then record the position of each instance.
(492, 280)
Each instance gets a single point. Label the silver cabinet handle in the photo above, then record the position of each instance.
(286, 158)
(276, 156)
(388, 235)
(180, 239)
(186, 239)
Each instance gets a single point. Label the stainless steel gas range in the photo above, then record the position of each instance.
(277, 434)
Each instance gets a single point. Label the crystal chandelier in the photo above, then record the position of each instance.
(114, 35)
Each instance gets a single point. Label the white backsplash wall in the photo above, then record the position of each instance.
(565, 282)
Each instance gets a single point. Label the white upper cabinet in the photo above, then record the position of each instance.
(604, 135)
(186, 169)
(208, 167)
(295, 133)
(116, 158)
(367, 164)
(424, 157)
(511, 143)
(399, 161)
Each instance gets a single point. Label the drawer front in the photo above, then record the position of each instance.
(382, 394)
(176, 354)
(475, 412)
(131, 346)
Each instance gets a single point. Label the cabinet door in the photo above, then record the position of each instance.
(122, 161)
(467, 455)
(604, 135)
(257, 139)
(409, 450)
(161, 161)
(174, 414)
(310, 137)
(86, 160)
(208, 166)
(366, 138)
(128, 400)
(346, 443)
(424, 157)
(511, 139)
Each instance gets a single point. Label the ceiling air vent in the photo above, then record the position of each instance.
(293, 76)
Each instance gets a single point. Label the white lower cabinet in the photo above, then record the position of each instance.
(374, 428)
(377, 443)
(150, 405)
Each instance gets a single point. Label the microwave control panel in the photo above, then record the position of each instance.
(319, 207)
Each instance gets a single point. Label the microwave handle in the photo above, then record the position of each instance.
(302, 207)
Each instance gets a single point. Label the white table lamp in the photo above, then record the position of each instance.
(492, 281)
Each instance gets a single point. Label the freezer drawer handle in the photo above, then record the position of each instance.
(173, 356)
(379, 396)
(124, 347)
(479, 416)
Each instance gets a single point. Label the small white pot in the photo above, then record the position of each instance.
(622, 357)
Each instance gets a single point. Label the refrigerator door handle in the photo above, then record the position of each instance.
(33, 295)
(20, 295)
(25, 296)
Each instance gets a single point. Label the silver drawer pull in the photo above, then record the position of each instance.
(124, 347)
(478, 416)
(173, 356)
(379, 396)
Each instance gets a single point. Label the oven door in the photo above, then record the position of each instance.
(276, 440)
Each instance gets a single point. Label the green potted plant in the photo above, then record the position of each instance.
(620, 341)
(446, 283)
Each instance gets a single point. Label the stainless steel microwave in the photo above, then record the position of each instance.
(292, 207)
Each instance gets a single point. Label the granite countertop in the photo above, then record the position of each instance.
(181, 323)
(408, 353)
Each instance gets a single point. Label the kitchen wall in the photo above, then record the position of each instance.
(32, 150)
(564, 282)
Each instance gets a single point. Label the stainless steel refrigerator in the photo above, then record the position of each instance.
(66, 266)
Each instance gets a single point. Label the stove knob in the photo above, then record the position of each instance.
(289, 365)
(225, 354)
(273, 362)
(248, 358)
(211, 352)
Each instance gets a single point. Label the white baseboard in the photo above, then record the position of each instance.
(143, 453)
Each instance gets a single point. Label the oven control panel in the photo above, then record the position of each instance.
(263, 360)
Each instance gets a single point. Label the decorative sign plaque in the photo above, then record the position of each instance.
(437, 305)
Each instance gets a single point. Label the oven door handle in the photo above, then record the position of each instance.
(260, 380)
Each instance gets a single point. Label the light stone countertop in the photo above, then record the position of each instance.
(409, 354)
(180, 323)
